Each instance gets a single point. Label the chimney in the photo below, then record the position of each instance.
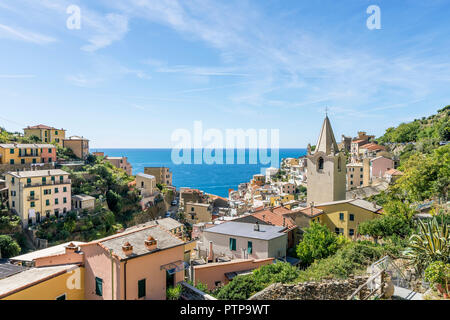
(284, 222)
(151, 243)
(256, 226)
(264, 217)
(210, 253)
(127, 248)
(71, 248)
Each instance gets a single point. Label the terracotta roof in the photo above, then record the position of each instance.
(394, 172)
(281, 210)
(275, 218)
(311, 212)
(41, 126)
(373, 146)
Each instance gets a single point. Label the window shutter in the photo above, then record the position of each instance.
(98, 286)
(141, 288)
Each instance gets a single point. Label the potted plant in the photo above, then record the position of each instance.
(438, 273)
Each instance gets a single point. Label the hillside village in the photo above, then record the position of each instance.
(348, 220)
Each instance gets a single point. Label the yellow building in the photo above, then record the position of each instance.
(342, 217)
(64, 282)
(78, 145)
(281, 199)
(161, 174)
(198, 212)
(46, 134)
(14, 153)
(35, 195)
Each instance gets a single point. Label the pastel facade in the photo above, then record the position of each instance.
(82, 202)
(220, 273)
(198, 212)
(79, 146)
(36, 195)
(355, 175)
(343, 217)
(46, 134)
(288, 188)
(11, 154)
(137, 264)
(281, 199)
(379, 166)
(258, 180)
(146, 183)
(47, 283)
(239, 240)
(121, 163)
(162, 174)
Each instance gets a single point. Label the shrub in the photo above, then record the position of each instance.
(438, 272)
(353, 258)
(8, 247)
(318, 243)
(174, 293)
(240, 288)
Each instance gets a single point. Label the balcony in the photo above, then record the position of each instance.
(32, 198)
(47, 183)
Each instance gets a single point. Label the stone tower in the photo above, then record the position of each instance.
(326, 167)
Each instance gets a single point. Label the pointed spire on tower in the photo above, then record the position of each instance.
(326, 142)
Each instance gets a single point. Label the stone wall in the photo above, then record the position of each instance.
(326, 290)
(189, 292)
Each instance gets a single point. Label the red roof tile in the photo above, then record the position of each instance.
(311, 212)
(275, 219)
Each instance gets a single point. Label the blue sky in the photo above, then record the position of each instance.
(139, 69)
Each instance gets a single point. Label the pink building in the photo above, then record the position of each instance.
(48, 153)
(220, 273)
(379, 165)
(288, 188)
(137, 264)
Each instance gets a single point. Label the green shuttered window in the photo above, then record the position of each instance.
(232, 244)
(98, 286)
(141, 288)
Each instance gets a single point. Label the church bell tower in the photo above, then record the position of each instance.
(326, 169)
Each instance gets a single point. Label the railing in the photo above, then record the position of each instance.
(47, 183)
(379, 270)
(371, 285)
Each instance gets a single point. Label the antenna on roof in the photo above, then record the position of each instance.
(326, 111)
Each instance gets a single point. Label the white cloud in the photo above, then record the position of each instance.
(24, 35)
(105, 30)
(81, 80)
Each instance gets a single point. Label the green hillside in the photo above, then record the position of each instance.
(434, 129)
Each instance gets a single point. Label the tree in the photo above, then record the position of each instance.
(276, 272)
(240, 288)
(318, 243)
(114, 201)
(8, 247)
(425, 176)
(397, 220)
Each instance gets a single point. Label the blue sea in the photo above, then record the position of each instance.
(212, 178)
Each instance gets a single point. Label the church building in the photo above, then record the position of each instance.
(326, 168)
